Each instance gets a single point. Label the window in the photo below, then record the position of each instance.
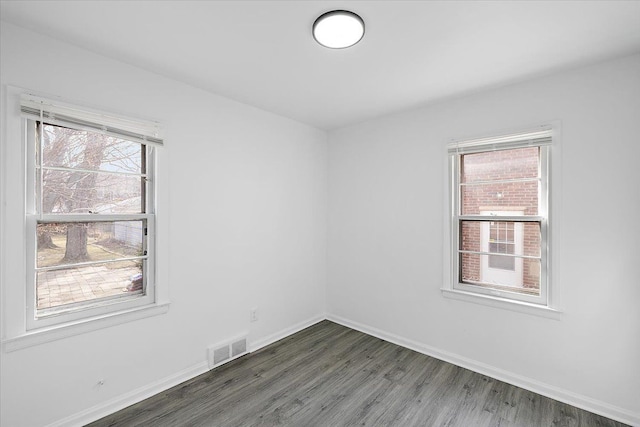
(502, 241)
(499, 216)
(90, 213)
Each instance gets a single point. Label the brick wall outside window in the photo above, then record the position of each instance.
(516, 196)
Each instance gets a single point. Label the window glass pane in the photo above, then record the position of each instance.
(501, 237)
(69, 243)
(470, 235)
(65, 287)
(499, 165)
(71, 148)
(502, 241)
(531, 275)
(84, 192)
(523, 278)
(502, 262)
(511, 196)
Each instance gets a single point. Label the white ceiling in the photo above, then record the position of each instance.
(413, 53)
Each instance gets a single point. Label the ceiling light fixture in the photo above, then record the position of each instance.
(338, 29)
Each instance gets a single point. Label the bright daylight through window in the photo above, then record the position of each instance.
(90, 214)
(499, 216)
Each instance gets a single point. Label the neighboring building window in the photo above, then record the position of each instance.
(90, 213)
(499, 216)
(502, 241)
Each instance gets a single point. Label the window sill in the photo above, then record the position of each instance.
(503, 303)
(53, 333)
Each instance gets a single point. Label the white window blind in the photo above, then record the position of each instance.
(41, 109)
(504, 142)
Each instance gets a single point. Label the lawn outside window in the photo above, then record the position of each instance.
(499, 218)
(90, 213)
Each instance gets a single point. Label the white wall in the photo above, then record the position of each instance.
(243, 200)
(386, 219)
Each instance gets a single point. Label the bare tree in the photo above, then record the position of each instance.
(84, 189)
(81, 189)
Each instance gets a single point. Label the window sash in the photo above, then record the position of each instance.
(146, 151)
(93, 308)
(500, 290)
(455, 150)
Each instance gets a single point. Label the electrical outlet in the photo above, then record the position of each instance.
(253, 315)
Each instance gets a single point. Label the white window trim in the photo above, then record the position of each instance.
(549, 303)
(60, 331)
(16, 330)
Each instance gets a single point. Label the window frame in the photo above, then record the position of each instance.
(14, 181)
(454, 287)
(35, 215)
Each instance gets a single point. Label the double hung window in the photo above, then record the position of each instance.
(499, 206)
(90, 212)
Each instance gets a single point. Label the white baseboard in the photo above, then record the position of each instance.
(263, 342)
(103, 409)
(574, 399)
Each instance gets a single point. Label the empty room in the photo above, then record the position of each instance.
(319, 213)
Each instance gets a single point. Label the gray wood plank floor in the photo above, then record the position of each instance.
(330, 375)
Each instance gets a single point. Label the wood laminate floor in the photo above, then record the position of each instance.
(330, 375)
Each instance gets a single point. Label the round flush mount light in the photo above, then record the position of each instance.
(338, 29)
